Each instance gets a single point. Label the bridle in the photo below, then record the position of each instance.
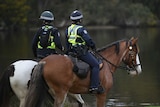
(120, 67)
(131, 53)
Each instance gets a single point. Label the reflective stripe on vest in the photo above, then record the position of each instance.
(72, 35)
(51, 38)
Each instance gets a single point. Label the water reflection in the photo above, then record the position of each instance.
(127, 91)
(14, 46)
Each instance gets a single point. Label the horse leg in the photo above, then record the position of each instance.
(101, 100)
(21, 97)
(20, 90)
(60, 98)
(22, 102)
(78, 98)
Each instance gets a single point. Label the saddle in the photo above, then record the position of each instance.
(81, 68)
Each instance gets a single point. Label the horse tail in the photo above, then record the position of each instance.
(38, 91)
(5, 88)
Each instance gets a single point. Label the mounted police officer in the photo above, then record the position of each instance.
(47, 38)
(78, 41)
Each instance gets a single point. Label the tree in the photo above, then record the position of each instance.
(132, 14)
(13, 12)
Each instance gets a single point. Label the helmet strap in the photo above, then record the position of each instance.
(47, 21)
(77, 21)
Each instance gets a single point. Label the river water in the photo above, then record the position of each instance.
(127, 91)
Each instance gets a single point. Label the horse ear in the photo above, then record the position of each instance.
(134, 40)
(131, 38)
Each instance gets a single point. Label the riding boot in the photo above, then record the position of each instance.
(98, 90)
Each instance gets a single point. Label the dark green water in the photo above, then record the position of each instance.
(127, 91)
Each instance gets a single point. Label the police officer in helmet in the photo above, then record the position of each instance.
(47, 38)
(79, 41)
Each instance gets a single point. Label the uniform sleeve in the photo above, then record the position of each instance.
(84, 34)
(35, 42)
(57, 39)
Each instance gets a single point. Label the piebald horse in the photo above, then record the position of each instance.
(15, 79)
(57, 72)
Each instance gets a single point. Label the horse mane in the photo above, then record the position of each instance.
(116, 44)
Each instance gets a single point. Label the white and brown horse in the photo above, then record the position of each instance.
(15, 80)
(57, 72)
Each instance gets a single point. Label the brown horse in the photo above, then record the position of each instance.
(57, 71)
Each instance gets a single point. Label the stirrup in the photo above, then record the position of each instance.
(97, 90)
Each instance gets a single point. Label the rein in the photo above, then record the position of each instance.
(120, 67)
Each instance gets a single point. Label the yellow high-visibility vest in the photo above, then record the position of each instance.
(51, 38)
(72, 35)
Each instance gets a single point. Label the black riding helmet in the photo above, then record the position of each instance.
(76, 16)
(47, 16)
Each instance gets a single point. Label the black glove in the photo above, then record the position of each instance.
(93, 48)
(66, 52)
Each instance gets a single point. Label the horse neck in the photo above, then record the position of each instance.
(113, 55)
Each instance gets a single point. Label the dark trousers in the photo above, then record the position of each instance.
(93, 62)
(41, 53)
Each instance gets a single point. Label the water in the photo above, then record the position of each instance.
(127, 91)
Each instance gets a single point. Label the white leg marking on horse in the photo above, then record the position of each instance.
(64, 100)
(139, 68)
(77, 97)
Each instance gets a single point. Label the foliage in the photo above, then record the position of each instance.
(134, 15)
(130, 14)
(13, 12)
(141, 14)
(153, 5)
(114, 12)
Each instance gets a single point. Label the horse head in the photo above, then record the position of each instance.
(131, 58)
